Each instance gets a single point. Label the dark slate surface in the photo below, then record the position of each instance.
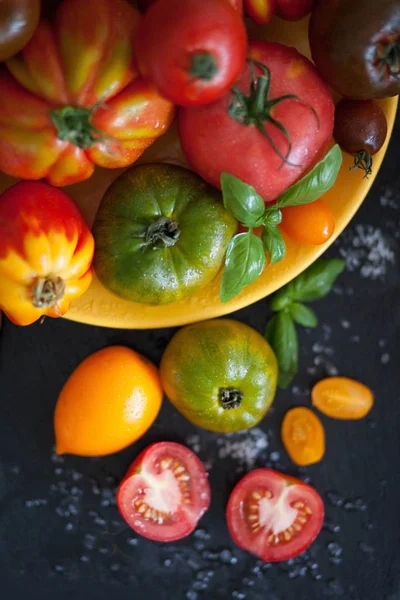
(60, 533)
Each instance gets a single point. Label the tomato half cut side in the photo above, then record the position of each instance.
(274, 516)
(164, 493)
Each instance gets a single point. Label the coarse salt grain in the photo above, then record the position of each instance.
(366, 249)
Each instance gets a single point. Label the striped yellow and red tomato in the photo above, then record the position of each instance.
(62, 115)
(46, 251)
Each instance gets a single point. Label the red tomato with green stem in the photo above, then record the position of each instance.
(164, 493)
(192, 51)
(274, 516)
(312, 223)
(271, 129)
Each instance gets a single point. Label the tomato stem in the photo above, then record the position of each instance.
(74, 125)
(163, 233)
(230, 398)
(203, 66)
(363, 160)
(388, 58)
(47, 292)
(256, 108)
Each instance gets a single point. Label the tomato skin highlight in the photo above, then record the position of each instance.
(18, 21)
(46, 252)
(269, 486)
(203, 49)
(303, 436)
(312, 223)
(60, 117)
(342, 398)
(261, 11)
(214, 142)
(141, 478)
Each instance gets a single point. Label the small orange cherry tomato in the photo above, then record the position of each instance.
(342, 398)
(108, 402)
(303, 436)
(311, 223)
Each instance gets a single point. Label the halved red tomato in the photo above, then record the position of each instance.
(164, 493)
(274, 516)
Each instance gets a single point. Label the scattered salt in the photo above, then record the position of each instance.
(245, 447)
(385, 358)
(366, 249)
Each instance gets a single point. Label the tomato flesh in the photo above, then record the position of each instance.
(274, 516)
(164, 493)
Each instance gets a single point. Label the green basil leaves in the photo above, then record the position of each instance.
(246, 255)
(314, 283)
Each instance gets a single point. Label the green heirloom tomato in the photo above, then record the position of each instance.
(221, 375)
(161, 233)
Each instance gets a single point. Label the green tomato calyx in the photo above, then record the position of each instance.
(256, 108)
(230, 398)
(74, 125)
(162, 233)
(203, 66)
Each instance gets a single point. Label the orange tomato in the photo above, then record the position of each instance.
(303, 436)
(311, 223)
(342, 398)
(108, 402)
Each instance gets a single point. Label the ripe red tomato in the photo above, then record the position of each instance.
(191, 51)
(293, 10)
(310, 223)
(145, 4)
(274, 516)
(268, 134)
(164, 493)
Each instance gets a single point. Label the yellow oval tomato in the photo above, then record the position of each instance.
(108, 402)
(303, 436)
(342, 398)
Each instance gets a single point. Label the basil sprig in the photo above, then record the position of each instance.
(247, 254)
(313, 284)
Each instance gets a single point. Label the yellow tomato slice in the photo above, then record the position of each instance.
(342, 398)
(303, 436)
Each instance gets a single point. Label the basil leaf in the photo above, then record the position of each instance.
(273, 216)
(316, 281)
(244, 263)
(281, 334)
(303, 315)
(280, 300)
(242, 201)
(313, 185)
(274, 243)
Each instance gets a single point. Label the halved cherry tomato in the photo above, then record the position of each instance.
(164, 493)
(274, 516)
(310, 224)
(303, 436)
(342, 398)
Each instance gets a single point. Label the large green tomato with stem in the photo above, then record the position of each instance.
(161, 233)
(221, 375)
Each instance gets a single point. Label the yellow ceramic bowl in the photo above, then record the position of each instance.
(100, 307)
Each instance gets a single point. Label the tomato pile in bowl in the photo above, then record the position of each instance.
(100, 306)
